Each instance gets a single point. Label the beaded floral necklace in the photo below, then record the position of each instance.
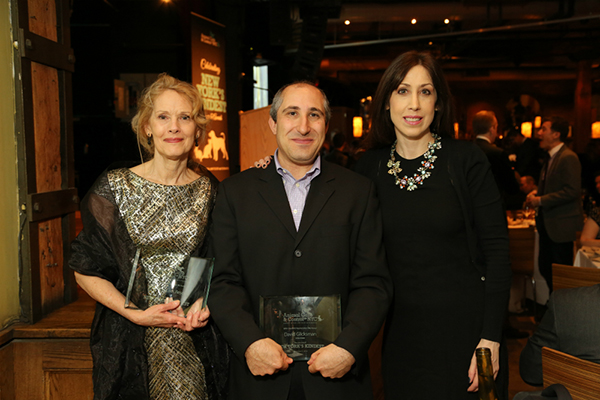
(424, 170)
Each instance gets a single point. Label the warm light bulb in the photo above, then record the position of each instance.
(347, 22)
(413, 21)
(526, 129)
(596, 130)
(446, 21)
(537, 122)
(357, 126)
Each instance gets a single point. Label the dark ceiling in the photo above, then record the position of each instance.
(491, 51)
(483, 39)
(492, 39)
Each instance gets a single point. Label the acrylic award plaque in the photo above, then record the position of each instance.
(301, 324)
(189, 283)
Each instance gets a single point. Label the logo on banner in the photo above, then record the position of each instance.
(209, 40)
(215, 145)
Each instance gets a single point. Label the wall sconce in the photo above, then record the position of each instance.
(357, 127)
(456, 130)
(537, 122)
(526, 129)
(596, 130)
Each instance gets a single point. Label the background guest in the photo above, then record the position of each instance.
(529, 156)
(558, 198)
(485, 127)
(527, 184)
(339, 155)
(590, 236)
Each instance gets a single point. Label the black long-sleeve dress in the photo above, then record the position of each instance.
(447, 249)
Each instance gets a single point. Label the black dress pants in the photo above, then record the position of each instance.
(551, 252)
(296, 388)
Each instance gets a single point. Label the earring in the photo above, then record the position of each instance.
(149, 141)
(196, 141)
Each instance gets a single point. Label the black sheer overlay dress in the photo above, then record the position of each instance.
(122, 213)
(437, 316)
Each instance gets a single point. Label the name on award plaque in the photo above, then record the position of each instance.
(189, 282)
(301, 324)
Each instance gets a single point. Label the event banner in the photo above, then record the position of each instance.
(208, 75)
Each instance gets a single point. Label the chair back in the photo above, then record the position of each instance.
(522, 249)
(580, 377)
(568, 276)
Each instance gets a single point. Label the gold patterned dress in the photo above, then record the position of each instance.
(167, 223)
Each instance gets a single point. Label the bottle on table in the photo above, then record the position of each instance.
(487, 386)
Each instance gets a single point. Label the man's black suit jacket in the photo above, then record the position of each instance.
(337, 250)
(503, 173)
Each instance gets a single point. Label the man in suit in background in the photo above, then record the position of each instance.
(485, 127)
(529, 156)
(299, 227)
(570, 325)
(558, 198)
(527, 184)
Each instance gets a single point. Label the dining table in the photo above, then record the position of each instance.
(587, 256)
(524, 249)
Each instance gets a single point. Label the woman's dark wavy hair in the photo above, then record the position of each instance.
(382, 129)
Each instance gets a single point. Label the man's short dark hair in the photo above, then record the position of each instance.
(278, 100)
(560, 125)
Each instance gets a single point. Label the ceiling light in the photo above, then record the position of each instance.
(347, 22)
(446, 21)
(413, 21)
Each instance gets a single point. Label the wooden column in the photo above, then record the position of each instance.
(582, 126)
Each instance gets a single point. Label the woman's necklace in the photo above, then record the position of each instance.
(424, 170)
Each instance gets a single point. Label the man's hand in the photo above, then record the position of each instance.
(533, 200)
(266, 357)
(473, 376)
(331, 361)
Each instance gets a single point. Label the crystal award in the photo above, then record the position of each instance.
(188, 283)
(301, 324)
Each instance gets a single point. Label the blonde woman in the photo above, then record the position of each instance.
(160, 208)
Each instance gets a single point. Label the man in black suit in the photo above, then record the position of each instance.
(529, 157)
(485, 127)
(299, 227)
(558, 198)
(570, 325)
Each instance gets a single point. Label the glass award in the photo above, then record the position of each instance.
(188, 283)
(301, 324)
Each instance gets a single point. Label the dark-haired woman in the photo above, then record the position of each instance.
(445, 236)
(160, 211)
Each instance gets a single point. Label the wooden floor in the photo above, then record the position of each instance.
(515, 383)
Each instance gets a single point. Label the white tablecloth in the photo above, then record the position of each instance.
(588, 257)
(542, 292)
